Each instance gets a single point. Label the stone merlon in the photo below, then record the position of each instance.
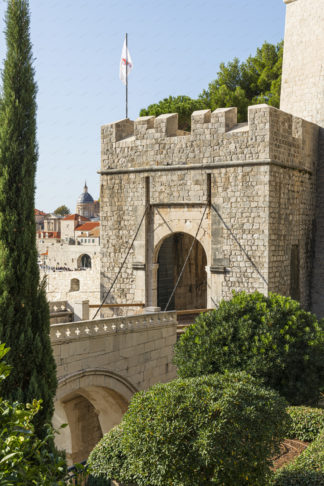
(215, 137)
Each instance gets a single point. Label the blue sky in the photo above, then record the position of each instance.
(176, 48)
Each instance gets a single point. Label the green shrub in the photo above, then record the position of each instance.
(307, 469)
(93, 481)
(271, 338)
(306, 423)
(107, 460)
(298, 478)
(216, 429)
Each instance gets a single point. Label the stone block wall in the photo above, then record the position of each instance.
(291, 221)
(100, 365)
(302, 89)
(139, 348)
(243, 162)
(302, 94)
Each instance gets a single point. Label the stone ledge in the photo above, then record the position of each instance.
(218, 269)
(138, 266)
(214, 165)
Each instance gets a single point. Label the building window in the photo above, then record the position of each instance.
(75, 285)
(294, 273)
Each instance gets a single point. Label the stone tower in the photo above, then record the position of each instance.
(302, 94)
(302, 91)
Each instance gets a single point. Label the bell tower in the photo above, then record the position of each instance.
(302, 89)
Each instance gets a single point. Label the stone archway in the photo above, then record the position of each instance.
(84, 261)
(191, 292)
(91, 403)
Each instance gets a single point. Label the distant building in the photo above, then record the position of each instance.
(39, 219)
(88, 233)
(52, 222)
(86, 206)
(69, 253)
(68, 226)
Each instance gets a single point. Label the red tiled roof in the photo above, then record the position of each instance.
(39, 213)
(88, 226)
(75, 217)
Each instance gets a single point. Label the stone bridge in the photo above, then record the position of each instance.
(100, 365)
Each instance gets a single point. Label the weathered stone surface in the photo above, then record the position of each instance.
(302, 89)
(262, 193)
(100, 365)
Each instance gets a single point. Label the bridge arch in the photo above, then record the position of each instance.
(169, 256)
(90, 402)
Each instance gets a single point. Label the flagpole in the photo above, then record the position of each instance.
(126, 78)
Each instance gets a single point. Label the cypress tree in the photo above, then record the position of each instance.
(24, 314)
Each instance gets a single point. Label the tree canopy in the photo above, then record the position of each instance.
(272, 338)
(256, 80)
(183, 105)
(216, 429)
(62, 210)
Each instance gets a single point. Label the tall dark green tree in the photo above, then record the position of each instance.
(24, 314)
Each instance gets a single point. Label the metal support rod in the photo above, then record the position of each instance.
(123, 263)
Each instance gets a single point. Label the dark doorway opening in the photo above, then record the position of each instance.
(191, 292)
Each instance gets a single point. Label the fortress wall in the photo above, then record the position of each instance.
(64, 255)
(58, 286)
(302, 89)
(239, 194)
(214, 138)
(138, 348)
(291, 220)
(240, 159)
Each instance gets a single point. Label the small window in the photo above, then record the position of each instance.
(75, 285)
(294, 273)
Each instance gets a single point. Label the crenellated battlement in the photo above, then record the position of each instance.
(215, 137)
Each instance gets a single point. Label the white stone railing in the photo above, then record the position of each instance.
(82, 329)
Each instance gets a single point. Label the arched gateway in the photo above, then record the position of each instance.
(90, 402)
(191, 291)
(100, 365)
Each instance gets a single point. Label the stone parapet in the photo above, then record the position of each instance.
(215, 137)
(116, 325)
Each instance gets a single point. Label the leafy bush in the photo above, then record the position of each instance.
(298, 478)
(108, 460)
(216, 429)
(92, 481)
(24, 458)
(307, 469)
(306, 423)
(271, 338)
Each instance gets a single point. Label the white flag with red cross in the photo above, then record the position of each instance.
(126, 64)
